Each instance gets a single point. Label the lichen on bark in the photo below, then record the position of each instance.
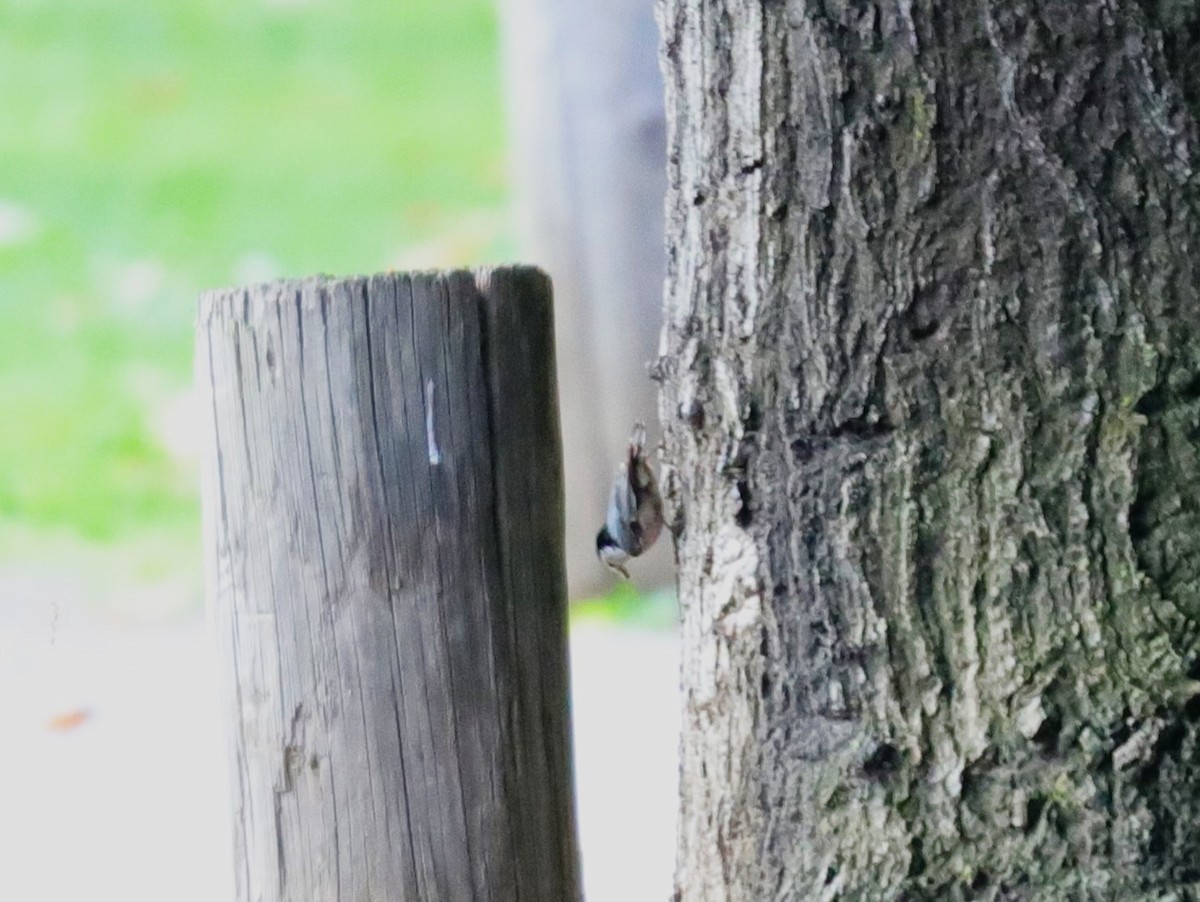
(932, 407)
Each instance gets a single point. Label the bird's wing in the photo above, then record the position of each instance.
(622, 511)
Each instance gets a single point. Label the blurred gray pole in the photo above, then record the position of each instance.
(383, 532)
(588, 145)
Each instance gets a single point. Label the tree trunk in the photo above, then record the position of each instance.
(587, 134)
(932, 400)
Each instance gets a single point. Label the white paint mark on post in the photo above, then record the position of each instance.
(435, 454)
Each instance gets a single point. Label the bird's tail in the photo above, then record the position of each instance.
(637, 439)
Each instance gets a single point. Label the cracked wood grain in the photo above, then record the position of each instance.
(383, 535)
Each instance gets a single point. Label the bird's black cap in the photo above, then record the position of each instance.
(604, 539)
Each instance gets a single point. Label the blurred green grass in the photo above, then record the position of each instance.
(151, 149)
(626, 605)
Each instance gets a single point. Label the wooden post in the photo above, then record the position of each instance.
(383, 530)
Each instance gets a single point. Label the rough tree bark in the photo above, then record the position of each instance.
(932, 401)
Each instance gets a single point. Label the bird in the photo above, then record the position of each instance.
(635, 511)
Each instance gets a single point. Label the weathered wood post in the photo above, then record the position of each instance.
(383, 530)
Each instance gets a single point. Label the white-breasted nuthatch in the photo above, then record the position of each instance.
(635, 514)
